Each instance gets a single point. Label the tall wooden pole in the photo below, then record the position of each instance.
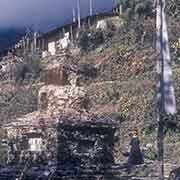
(91, 7)
(35, 41)
(165, 97)
(43, 44)
(74, 20)
(114, 6)
(74, 15)
(90, 11)
(27, 44)
(160, 133)
(120, 9)
(79, 13)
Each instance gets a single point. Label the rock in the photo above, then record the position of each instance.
(54, 74)
(99, 50)
(52, 48)
(111, 23)
(149, 145)
(102, 24)
(64, 42)
(45, 54)
(174, 174)
(56, 99)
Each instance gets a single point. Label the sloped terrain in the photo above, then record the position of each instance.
(125, 85)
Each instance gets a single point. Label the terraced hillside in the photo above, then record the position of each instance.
(125, 85)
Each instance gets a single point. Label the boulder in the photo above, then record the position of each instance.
(174, 174)
(64, 42)
(45, 54)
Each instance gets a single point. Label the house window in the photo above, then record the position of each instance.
(35, 144)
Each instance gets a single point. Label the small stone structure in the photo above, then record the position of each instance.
(85, 147)
(61, 131)
(36, 132)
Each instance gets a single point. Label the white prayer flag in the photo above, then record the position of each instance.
(166, 95)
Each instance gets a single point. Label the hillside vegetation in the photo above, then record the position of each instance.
(126, 82)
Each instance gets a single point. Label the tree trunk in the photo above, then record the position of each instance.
(160, 133)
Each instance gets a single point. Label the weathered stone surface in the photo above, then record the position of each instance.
(85, 146)
(45, 54)
(64, 42)
(54, 74)
(174, 174)
(102, 24)
(27, 123)
(11, 68)
(55, 99)
(111, 23)
(52, 47)
(59, 94)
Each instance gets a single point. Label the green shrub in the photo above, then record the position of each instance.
(89, 40)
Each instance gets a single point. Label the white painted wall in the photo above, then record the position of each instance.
(35, 144)
(52, 47)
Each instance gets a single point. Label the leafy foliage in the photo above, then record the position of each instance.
(89, 40)
(135, 9)
(173, 8)
(176, 51)
(16, 101)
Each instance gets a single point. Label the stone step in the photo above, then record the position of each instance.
(168, 167)
(144, 178)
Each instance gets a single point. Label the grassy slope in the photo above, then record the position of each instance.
(127, 86)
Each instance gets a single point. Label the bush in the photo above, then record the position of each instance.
(90, 40)
(18, 101)
(32, 67)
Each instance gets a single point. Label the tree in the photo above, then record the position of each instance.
(173, 7)
(136, 8)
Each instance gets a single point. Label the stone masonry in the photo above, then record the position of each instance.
(59, 93)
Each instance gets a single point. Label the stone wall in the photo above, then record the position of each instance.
(55, 75)
(59, 93)
(55, 99)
